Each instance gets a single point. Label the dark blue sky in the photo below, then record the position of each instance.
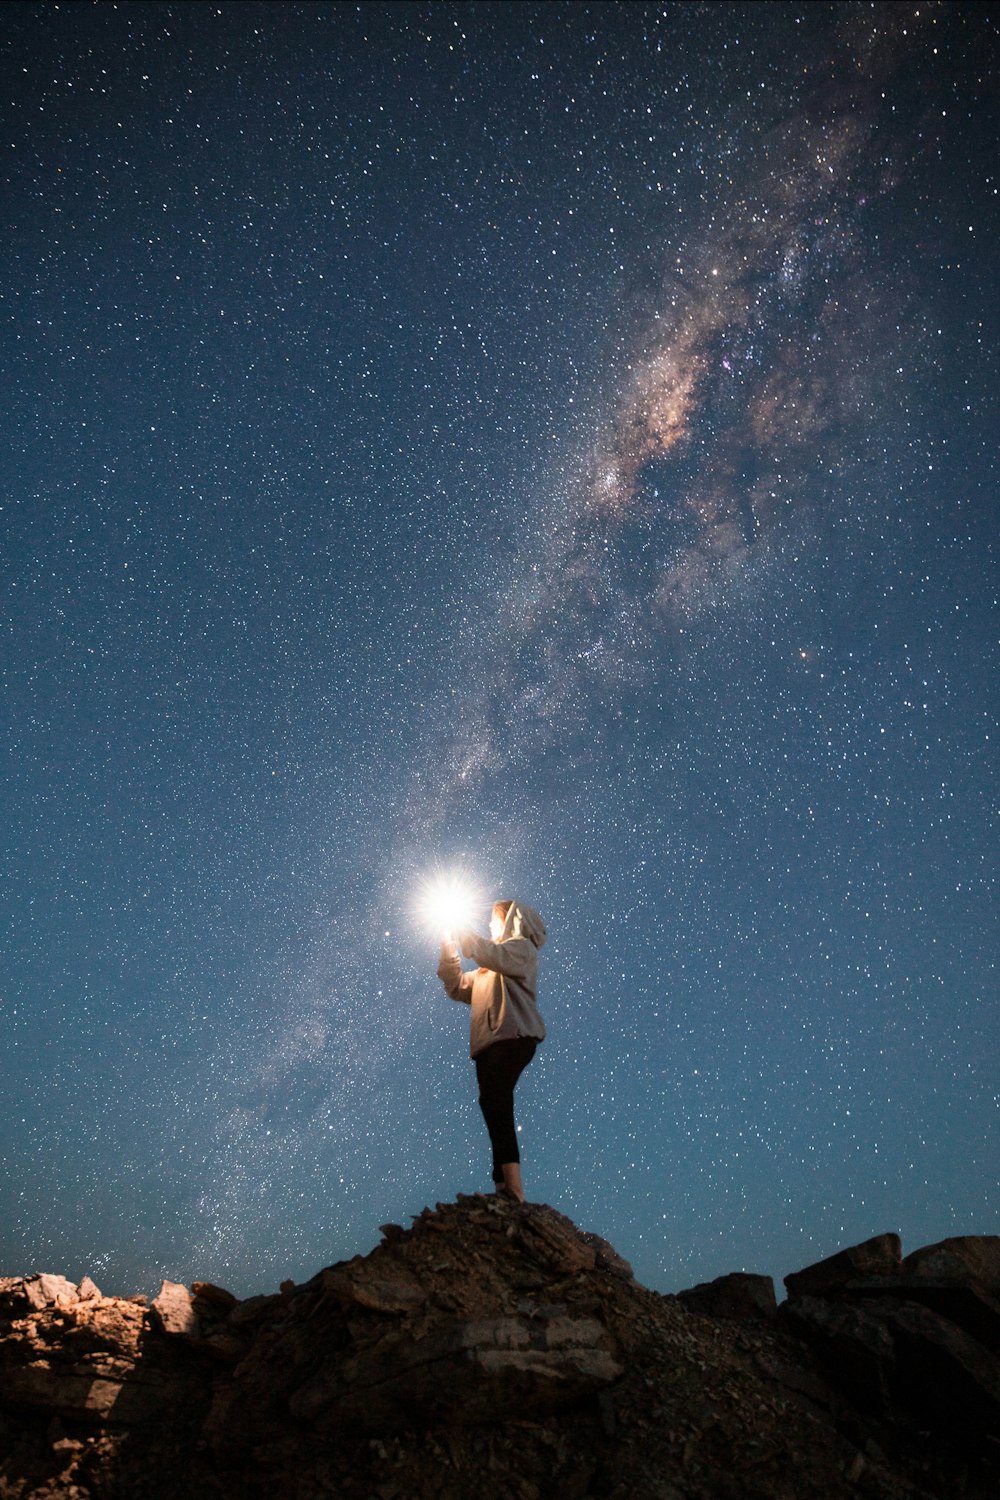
(554, 440)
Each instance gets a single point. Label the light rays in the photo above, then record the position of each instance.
(448, 900)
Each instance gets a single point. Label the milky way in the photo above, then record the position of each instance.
(740, 388)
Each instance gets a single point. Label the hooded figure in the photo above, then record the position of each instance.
(505, 1024)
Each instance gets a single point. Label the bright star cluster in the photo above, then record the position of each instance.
(554, 443)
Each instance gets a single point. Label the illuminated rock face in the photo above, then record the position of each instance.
(495, 1346)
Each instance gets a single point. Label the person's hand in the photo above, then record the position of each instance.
(448, 961)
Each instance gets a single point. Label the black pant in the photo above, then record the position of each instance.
(497, 1071)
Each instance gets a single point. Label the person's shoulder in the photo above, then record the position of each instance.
(522, 947)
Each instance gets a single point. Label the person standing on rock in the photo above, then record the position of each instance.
(505, 1024)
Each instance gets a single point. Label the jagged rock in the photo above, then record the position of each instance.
(488, 1348)
(91, 1407)
(972, 1257)
(211, 1301)
(958, 1279)
(174, 1311)
(12, 1298)
(554, 1241)
(606, 1257)
(880, 1256)
(253, 1310)
(47, 1291)
(738, 1295)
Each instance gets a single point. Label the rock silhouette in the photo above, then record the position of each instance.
(495, 1349)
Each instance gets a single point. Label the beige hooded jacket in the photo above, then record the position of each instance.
(502, 990)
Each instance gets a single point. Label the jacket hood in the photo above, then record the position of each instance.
(523, 922)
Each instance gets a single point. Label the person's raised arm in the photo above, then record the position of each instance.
(449, 970)
(512, 957)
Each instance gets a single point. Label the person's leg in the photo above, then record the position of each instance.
(498, 1069)
(489, 1073)
(512, 1179)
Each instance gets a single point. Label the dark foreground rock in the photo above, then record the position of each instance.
(497, 1350)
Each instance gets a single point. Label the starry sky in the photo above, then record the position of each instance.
(555, 442)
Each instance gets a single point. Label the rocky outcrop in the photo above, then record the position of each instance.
(93, 1402)
(915, 1339)
(495, 1347)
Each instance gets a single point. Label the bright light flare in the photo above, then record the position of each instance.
(448, 901)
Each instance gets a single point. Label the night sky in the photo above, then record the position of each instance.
(552, 441)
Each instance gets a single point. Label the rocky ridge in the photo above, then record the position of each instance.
(495, 1344)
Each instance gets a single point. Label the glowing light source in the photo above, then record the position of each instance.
(448, 901)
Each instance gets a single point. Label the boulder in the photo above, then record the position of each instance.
(970, 1257)
(880, 1256)
(50, 1291)
(173, 1311)
(211, 1301)
(738, 1295)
